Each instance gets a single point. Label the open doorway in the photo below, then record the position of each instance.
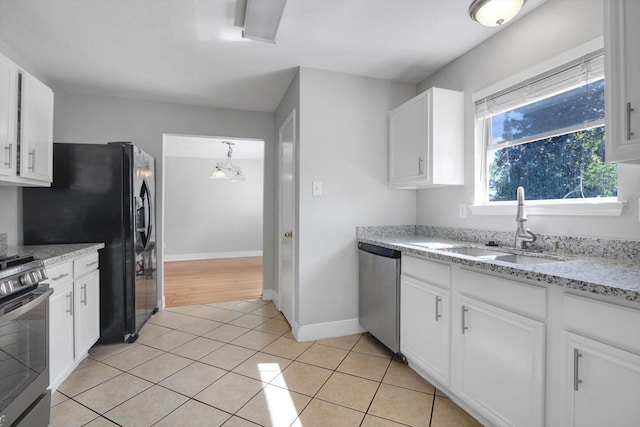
(213, 228)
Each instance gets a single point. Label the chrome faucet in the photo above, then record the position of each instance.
(523, 236)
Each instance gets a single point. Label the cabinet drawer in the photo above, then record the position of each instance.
(516, 296)
(84, 265)
(427, 271)
(60, 273)
(608, 322)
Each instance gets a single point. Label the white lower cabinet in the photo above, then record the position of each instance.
(86, 293)
(601, 363)
(424, 327)
(602, 384)
(499, 363)
(60, 331)
(518, 353)
(74, 314)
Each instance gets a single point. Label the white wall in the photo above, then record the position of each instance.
(207, 218)
(94, 119)
(550, 30)
(343, 144)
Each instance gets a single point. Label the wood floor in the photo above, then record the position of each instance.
(212, 280)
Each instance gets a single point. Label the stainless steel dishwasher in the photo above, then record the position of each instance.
(379, 292)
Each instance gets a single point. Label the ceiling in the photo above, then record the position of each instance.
(190, 51)
(212, 147)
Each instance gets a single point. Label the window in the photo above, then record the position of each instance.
(547, 135)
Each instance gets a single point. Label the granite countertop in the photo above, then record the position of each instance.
(600, 276)
(53, 254)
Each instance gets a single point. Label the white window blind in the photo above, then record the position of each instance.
(574, 74)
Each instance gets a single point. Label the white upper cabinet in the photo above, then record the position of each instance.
(26, 128)
(36, 130)
(622, 74)
(8, 110)
(426, 141)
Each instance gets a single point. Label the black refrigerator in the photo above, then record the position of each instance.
(104, 193)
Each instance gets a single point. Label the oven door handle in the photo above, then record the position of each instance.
(43, 295)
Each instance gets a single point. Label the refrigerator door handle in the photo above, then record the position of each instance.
(144, 215)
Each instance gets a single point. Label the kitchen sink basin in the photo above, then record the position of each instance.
(499, 255)
(525, 259)
(476, 252)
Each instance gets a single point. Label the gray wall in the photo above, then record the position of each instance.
(206, 218)
(343, 144)
(94, 119)
(550, 30)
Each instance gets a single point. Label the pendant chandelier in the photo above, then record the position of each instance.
(227, 170)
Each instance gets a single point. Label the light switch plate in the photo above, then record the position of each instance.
(316, 188)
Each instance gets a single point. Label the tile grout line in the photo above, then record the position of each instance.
(351, 350)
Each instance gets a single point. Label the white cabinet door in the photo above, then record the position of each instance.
(60, 332)
(87, 312)
(426, 140)
(408, 139)
(36, 130)
(424, 327)
(602, 384)
(8, 106)
(622, 89)
(499, 364)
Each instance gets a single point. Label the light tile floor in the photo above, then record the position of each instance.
(236, 364)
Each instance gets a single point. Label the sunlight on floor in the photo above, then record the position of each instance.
(282, 411)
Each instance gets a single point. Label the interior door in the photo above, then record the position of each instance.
(286, 228)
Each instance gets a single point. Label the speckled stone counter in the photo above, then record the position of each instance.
(603, 276)
(54, 254)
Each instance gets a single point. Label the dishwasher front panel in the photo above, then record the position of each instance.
(379, 292)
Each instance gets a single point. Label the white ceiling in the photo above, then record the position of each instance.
(189, 51)
(212, 147)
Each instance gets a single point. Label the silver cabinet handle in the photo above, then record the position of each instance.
(62, 276)
(32, 160)
(420, 165)
(464, 312)
(438, 301)
(9, 149)
(91, 263)
(576, 375)
(83, 294)
(629, 111)
(69, 297)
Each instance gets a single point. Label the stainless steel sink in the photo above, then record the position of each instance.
(525, 259)
(476, 252)
(499, 255)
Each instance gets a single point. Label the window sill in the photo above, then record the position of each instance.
(575, 207)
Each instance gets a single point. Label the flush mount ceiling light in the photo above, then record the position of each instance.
(493, 13)
(227, 170)
(262, 19)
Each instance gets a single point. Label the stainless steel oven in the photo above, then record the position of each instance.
(24, 344)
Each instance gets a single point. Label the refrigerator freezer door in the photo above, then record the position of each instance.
(144, 236)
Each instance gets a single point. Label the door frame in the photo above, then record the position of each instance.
(160, 204)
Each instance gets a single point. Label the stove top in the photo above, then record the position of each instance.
(14, 260)
(19, 273)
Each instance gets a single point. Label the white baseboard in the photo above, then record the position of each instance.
(269, 295)
(211, 255)
(328, 330)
